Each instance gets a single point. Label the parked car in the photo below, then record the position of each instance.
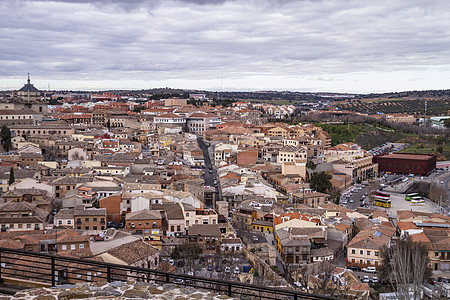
(236, 270)
(369, 270)
(180, 263)
(355, 268)
(227, 269)
(111, 224)
(365, 279)
(374, 279)
(210, 267)
(178, 281)
(171, 262)
(218, 269)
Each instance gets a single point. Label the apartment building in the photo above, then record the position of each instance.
(364, 249)
(294, 248)
(10, 117)
(358, 169)
(144, 222)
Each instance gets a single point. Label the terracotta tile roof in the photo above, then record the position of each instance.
(11, 244)
(133, 252)
(144, 214)
(205, 230)
(406, 225)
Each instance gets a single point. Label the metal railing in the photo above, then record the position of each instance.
(43, 268)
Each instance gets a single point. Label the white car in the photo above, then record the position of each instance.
(236, 270)
(365, 279)
(369, 270)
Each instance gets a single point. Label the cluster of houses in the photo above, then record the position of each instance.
(81, 171)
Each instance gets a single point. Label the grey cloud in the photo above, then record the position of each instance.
(199, 38)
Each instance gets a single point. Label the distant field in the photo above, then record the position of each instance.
(397, 105)
(279, 102)
(426, 147)
(364, 135)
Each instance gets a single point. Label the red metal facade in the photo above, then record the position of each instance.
(406, 163)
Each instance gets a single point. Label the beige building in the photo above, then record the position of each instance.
(297, 167)
(19, 117)
(175, 102)
(401, 118)
(359, 169)
(364, 249)
(289, 154)
(348, 152)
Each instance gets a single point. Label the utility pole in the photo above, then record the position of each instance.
(425, 118)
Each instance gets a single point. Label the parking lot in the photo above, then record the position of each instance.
(225, 267)
(398, 202)
(358, 195)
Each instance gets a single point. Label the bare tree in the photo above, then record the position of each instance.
(76, 156)
(406, 264)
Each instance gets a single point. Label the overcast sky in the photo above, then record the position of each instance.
(318, 45)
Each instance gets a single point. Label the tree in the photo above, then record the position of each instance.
(321, 181)
(311, 165)
(5, 135)
(406, 264)
(11, 176)
(440, 149)
(447, 123)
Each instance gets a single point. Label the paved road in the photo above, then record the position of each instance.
(209, 177)
(357, 196)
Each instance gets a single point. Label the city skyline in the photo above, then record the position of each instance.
(310, 46)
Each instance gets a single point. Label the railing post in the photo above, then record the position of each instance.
(167, 277)
(53, 270)
(108, 274)
(295, 297)
(229, 289)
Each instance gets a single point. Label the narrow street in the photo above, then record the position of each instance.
(210, 173)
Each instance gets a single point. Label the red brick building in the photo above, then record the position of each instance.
(246, 157)
(406, 163)
(112, 205)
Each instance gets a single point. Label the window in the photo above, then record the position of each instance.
(68, 188)
(361, 251)
(353, 251)
(86, 219)
(64, 247)
(69, 222)
(94, 228)
(86, 227)
(60, 222)
(20, 225)
(95, 220)
(81, 246)
(178, 228)
(172, 228)
(72, 247)
(187, 214)
(368, 252)
(28, 225)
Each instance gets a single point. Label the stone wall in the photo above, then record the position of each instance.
(115, 290)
